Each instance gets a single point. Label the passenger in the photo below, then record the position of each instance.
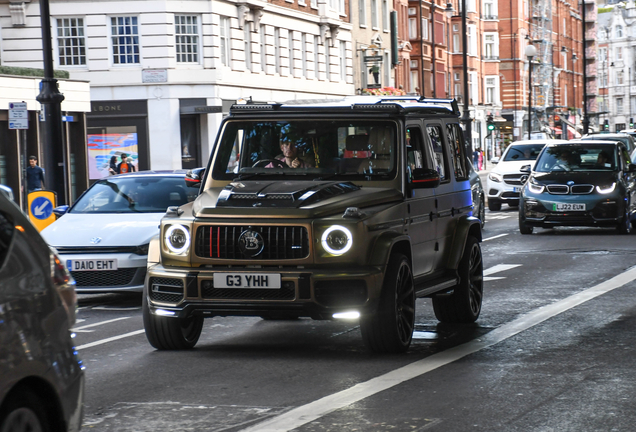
(603, 160)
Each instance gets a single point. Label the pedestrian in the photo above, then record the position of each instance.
(112, 166)
(481, 160)
(35, 175)
(123, 166)
(476, 159)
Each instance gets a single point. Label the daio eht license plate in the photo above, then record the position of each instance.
(91, 264)
(246, 280)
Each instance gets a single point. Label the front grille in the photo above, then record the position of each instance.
(280, 242)
(510, 195)
(166, 290)
(581, 189)
(110, 278)
(286, 292)
(514, 179)
(558, 189)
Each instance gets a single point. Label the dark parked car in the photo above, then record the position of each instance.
(626, 138)
(479, 197)
(581, 183)
(41, 377)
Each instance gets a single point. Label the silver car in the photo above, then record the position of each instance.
(41, 377)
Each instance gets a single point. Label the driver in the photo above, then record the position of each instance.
(290, 155)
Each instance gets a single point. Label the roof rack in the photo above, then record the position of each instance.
(450, 104)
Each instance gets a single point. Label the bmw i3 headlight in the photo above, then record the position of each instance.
(337, 240)
(177, 238)
(535, 187)
(606, 189)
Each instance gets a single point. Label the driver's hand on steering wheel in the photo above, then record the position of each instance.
(295, 163)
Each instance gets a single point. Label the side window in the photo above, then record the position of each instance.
(437, 142)
(458, 150)
(6, 233)
(414, 147)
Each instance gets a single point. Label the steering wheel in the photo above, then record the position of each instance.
(263, 162)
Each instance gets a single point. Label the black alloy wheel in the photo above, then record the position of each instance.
(625, 225)
(523, 227)
(168, 333)
(390, 328)
(24, 412)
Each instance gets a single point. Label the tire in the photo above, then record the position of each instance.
(494, 205)
(523, 227)
(464, 304)
(625, 225)
(482, 213)
(166, 333)
(390, 328)
(24, 412)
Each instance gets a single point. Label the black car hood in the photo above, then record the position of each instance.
(588, 177)
(297, 198)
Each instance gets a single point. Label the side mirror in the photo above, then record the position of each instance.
(525, 169)
(194, 177)
(494, 160)
(60, 210)
(424, 178)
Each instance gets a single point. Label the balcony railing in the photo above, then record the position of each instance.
(491, 17)
(490, 57)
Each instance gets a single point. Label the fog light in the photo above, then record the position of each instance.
(347, 315)
(163, 312)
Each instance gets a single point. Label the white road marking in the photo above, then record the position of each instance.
(307, 413)
(499, 268)
(492, 278)
(107, 308)
(499, 217)
(99, 323)
(494, 237)
(110, 339)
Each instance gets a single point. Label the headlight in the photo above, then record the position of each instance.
(606, 189)
(536, 188)
(495, 177)
(142, 249)
(337, 240)
(177, 239)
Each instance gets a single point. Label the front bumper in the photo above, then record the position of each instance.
(502, 191)
(129, 276)
(599, 212)
(317, 293)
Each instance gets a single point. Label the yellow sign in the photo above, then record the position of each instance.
(41, 205)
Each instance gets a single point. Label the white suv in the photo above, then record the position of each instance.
(505, 180)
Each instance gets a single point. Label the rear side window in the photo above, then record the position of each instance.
(458, 150)
(6, 234)
(437, 143)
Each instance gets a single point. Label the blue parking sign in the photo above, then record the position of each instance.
(41, 208)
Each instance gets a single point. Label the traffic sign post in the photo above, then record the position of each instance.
(18, 115)
(40, 206)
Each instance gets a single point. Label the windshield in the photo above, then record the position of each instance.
(134, 195)
(600, 157)
(316, 149)
(523, 152)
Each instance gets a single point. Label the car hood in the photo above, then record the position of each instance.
(510, 167)
(294, 199)
(129, 229)
(563, 177)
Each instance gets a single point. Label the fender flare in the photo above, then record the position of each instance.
(385, 244)
(466, 225)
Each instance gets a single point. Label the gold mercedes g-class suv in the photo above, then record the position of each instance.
(325, 209)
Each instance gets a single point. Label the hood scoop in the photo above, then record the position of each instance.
(281, 194)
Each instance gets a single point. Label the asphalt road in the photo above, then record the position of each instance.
(553, 350)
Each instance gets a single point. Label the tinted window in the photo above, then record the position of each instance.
(149, 194)
(523, 152)
(599, 157)
(437, 143)
(6, 233)
(457, 148)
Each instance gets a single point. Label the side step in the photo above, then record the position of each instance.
(427, 288)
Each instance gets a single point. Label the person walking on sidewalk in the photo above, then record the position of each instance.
(35, 175)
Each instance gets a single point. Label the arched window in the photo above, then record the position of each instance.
(619, 31)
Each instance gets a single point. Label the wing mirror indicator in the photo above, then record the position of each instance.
(422, 178)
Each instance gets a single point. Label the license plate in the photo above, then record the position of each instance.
(246, 280)
(568, 207)
(91, 264)
(516, 189)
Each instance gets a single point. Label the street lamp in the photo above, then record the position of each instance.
(531, 51)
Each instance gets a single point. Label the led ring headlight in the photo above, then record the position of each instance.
(337, 240)
(177, 239)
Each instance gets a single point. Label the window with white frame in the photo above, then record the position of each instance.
(425, 25)
(374, 14)
(263, 48)
(277, 50)
(472, 39)
(314, 4)
(413, 64)
(471, 6)
(290, 52)
(632, 104)
(619, 31)
(303, 53)
(456, 43)
(343, 61)
(490, 45)
(412, 11)
(316, 57)
(224, 36)
(492, 89)
(412, 28)
(341, 7)
(602, 79)
(619, 77)
(472, 85)
(490, 9)
(327, 62)
(125, 39)
(414, 84)
(248, 46)
(619, 105)
(619, 53)
(362, 13)
(71, 42)
(602, 54)
(186, 29)
(386, 24)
